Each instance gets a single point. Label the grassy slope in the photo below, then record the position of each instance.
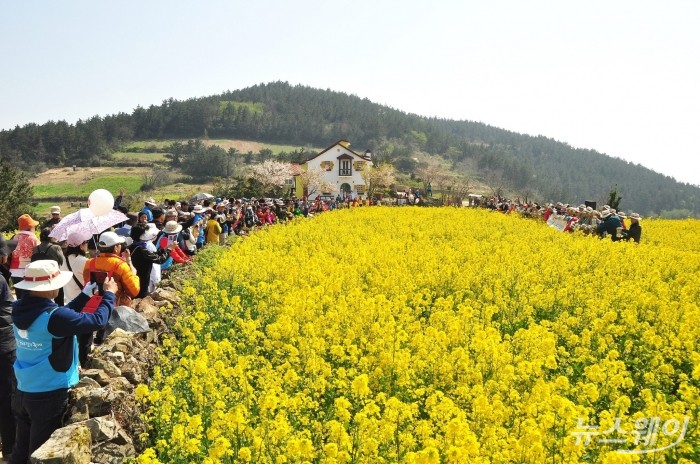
(64, 182)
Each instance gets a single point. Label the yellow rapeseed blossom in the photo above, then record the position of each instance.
(433, 335)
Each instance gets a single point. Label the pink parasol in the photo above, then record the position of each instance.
(85, 222)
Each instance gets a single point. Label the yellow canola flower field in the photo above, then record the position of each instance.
(433, 335)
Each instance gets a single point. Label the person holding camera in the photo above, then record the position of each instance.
(47, 350)
(115, 259)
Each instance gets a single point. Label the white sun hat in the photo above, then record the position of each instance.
(44, 275)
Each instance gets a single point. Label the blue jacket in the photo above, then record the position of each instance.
(47, 354)
(610, 225)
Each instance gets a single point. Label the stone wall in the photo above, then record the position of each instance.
(104, 420)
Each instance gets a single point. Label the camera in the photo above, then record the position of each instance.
(99, 278)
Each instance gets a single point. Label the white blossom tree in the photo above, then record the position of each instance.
(429, 172)
(380, 175)
(458, 188)
(314, 180)
(271, 174)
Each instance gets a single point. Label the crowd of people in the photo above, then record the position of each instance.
(604, 222)
(60, 306)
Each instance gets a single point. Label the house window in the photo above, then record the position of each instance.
(360, 189)
(345, 167)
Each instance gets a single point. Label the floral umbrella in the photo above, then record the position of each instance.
(87, 223)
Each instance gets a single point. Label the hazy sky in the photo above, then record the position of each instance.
(620, 77)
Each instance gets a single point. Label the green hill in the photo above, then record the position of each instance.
(278, 113)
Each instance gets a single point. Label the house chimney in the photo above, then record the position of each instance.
(368, 155)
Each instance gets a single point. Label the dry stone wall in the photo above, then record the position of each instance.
(104, 420)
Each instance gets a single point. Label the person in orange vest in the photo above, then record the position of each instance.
(114, 259)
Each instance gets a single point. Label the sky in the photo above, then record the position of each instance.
(620, 77)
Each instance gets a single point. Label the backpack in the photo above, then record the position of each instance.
(40, 254)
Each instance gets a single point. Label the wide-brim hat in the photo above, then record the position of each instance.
(172, 227)
(635, 216)
(148, 235)
(26, 222)
(150, 201)
(44, 275)
(198, 209)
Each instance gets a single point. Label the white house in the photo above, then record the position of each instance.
(343, 170)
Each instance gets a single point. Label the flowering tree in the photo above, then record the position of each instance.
(380, 175)
(430, 171)
(313, 180)
(271, 174)
(458, 188)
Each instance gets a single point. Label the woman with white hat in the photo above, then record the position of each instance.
(47, 350)
(75, 258)
(635, 230)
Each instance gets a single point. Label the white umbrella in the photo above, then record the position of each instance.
(203, 196)
(85, 222)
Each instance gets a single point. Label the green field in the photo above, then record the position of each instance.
(42, 210)
(129, 182)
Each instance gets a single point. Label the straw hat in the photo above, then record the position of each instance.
(44, 275)
(635, 216)
(172, 227)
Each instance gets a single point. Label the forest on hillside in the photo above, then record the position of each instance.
(535, 167)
